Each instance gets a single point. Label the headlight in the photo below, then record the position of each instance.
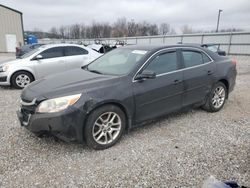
(57, 104)
(4, 68)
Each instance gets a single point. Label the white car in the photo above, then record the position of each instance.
(43, 61)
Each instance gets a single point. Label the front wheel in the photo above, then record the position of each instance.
(216, 98)
(104, 127)
(21, 79)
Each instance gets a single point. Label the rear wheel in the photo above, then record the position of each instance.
(217, 98)
(104, 127)
(21, 79)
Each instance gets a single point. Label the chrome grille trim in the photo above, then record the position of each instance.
(33, 102)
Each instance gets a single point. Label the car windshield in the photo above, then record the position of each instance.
(117, 62)
(30, 53)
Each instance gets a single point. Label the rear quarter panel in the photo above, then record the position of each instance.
(225, 69)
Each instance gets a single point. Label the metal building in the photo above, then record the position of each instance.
(11, 29)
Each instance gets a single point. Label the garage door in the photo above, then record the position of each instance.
(10, 42)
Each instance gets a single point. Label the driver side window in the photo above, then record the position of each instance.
(163, 63)
(52, 53)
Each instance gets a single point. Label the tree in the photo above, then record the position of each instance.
(164, 28)
(75, 31)
(62, 31)
(132, 28)
(153, 29)
(107, 29)
(120, 28)
(54, 33)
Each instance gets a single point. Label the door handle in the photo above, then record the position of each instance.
(177, 82)
(210, 72)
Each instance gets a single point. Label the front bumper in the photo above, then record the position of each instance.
(4, 79)
(66, 125)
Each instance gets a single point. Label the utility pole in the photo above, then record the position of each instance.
(218, 21)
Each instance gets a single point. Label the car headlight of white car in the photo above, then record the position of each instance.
(57, 104)
(4, 68)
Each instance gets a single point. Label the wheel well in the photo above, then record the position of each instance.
(225, 82)
(115, 104)
(22, 71)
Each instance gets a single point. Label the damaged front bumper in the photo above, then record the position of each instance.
(66, 125)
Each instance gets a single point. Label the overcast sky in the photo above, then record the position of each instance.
(199, 14)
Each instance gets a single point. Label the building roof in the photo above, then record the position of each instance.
(11, 9)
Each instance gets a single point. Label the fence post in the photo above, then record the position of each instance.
(230, 43)
(202, 38)
(182, 38)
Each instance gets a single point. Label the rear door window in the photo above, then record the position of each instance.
(74, 50)
(52, 53)
(192, 58)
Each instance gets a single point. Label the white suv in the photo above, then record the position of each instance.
(43, 61)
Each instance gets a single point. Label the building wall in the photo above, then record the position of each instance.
(10, 23)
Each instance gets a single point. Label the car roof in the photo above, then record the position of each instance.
(159, 47)
(59, 45)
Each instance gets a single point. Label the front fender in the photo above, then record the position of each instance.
(17, 69)
(92, 104)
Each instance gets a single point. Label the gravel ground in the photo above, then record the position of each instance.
(181, 150)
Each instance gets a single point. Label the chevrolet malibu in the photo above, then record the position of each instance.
(123, 89)
(44, 61)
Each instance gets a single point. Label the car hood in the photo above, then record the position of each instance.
(11, 62)
(66, 83)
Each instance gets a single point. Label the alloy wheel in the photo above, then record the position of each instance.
(219, 97)
(106, 128)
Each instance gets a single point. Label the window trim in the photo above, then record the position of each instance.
(181, 69)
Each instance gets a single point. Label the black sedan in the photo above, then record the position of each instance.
(123, 89)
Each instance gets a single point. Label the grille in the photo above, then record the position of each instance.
(28, 109)
(28, 106)
(3, 79)
(26, 115)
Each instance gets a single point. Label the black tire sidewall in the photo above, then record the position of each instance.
(211, 106)
(15, 75)
(90, 123)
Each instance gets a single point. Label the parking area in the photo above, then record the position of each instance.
(180, 150)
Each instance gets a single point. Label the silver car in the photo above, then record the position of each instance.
(43, 61)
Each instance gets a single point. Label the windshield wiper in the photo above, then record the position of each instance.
(94, 71)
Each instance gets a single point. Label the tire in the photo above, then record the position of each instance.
(102, 124)
(21, 79)
(216, 98)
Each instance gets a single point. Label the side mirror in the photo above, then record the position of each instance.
(146, 74)
(38, 57)
(222, 53)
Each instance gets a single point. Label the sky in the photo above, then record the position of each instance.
(198, 14)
